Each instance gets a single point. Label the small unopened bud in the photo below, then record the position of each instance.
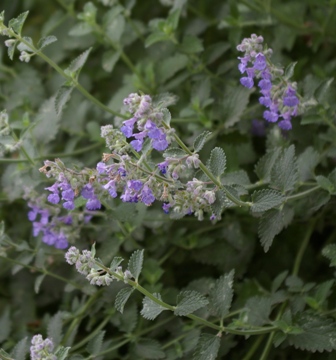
(25, 57)
(10, 42)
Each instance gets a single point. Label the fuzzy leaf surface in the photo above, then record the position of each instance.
(266, 199)
(188, 302)
(207, 347)
(135, 263)
(79, 62)
(217, 162)
(200, 141)
(220, 297)
(94, 346)
(62, 97)
(151, 309)
(122, 297)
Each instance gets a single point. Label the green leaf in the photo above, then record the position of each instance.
(156, 37)
(24, 258)
(188, 302)
(151, 309)
(307, 161)
(258, 310)
(17, 23)
(330, 252)
(266, 199)
(175, 153)
(122, 297)
(217, 162)
(319, 333)
(115, 28)
(239, 177)
(234, 103)
(200, 141)
(94, 346)
(289, 71)
(322, 91)
(221, 295)
(278, 281)
(62, 97)
(285, 172)
(62, 353)
(23, 47)
(110, 58)
(191, 45)
(115, 263)
(207, 347)
(173, 19)
(79, 62)
(323, 291)
(11, 51)
(81, 29)
(271, 224)
(265, 165)
(45, 41)
(220, 203)
(38, 282)
(21, 349)
(4, 355)
(149, 349)
(135, 263)
(55, 328)
(168, 67)
(47, 122)
(5, 325)
(325, 183)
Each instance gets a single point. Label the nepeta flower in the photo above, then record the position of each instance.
(42, 349)
(147, 196)
(277, 94)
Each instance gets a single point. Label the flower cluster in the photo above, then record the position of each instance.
(42, 349)
(86, 264)
(146, 120)
(278, 94)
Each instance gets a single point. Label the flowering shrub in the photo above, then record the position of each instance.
(171, 135)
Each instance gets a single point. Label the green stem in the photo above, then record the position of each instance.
(302, 194)
(73, 81)
(254, 348)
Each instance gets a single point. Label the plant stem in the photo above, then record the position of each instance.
(254, 348)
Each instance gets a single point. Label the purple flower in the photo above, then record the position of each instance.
(128, 126)
(68, 195)
(137, 144)
(271, 116)
(147, 196)
(53, 188)
(122, 171)
(153, 131)
(87, 191)
(247, 82)
(69, 205)
(285, 125)
(135, 185)
(54, 198)
(290, 101)
(258, 128)
(93, 204)
(260, 62)
(161, 143)
(163, 167)
(265, 100)
(265, 84)
(61, 242)
(101, 168)
(166, 207)
(111, 187)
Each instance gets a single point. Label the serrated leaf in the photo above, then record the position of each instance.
(135, 263)
(289, 71)
(23, 47)
(239, 177)
(23, 258)
(220, 203)
(217, 162)
(325, 183)
(4, 355)
(94, 346)
(38, 282)
(188, 302)
(173, 18)
(175, 153)
(149, 349)
(200, 141)
(62, 353)
(258, 310)
(323, 291)
(285, 172)
(45, 41)
(115, 263)
(221, 295)
(278, 281)
(5, 325)
(122, 297)
(20, 350)
(266, 199)
(322, 91)
(151, 309)
(79, 62)
(62, 97)
(207, 347)
(81, 29)
(55, 328)
(17, 23)
(168, 67)
(330, 252)
(319, 334)
(271, 224)
(11, 51)
(265, 165)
